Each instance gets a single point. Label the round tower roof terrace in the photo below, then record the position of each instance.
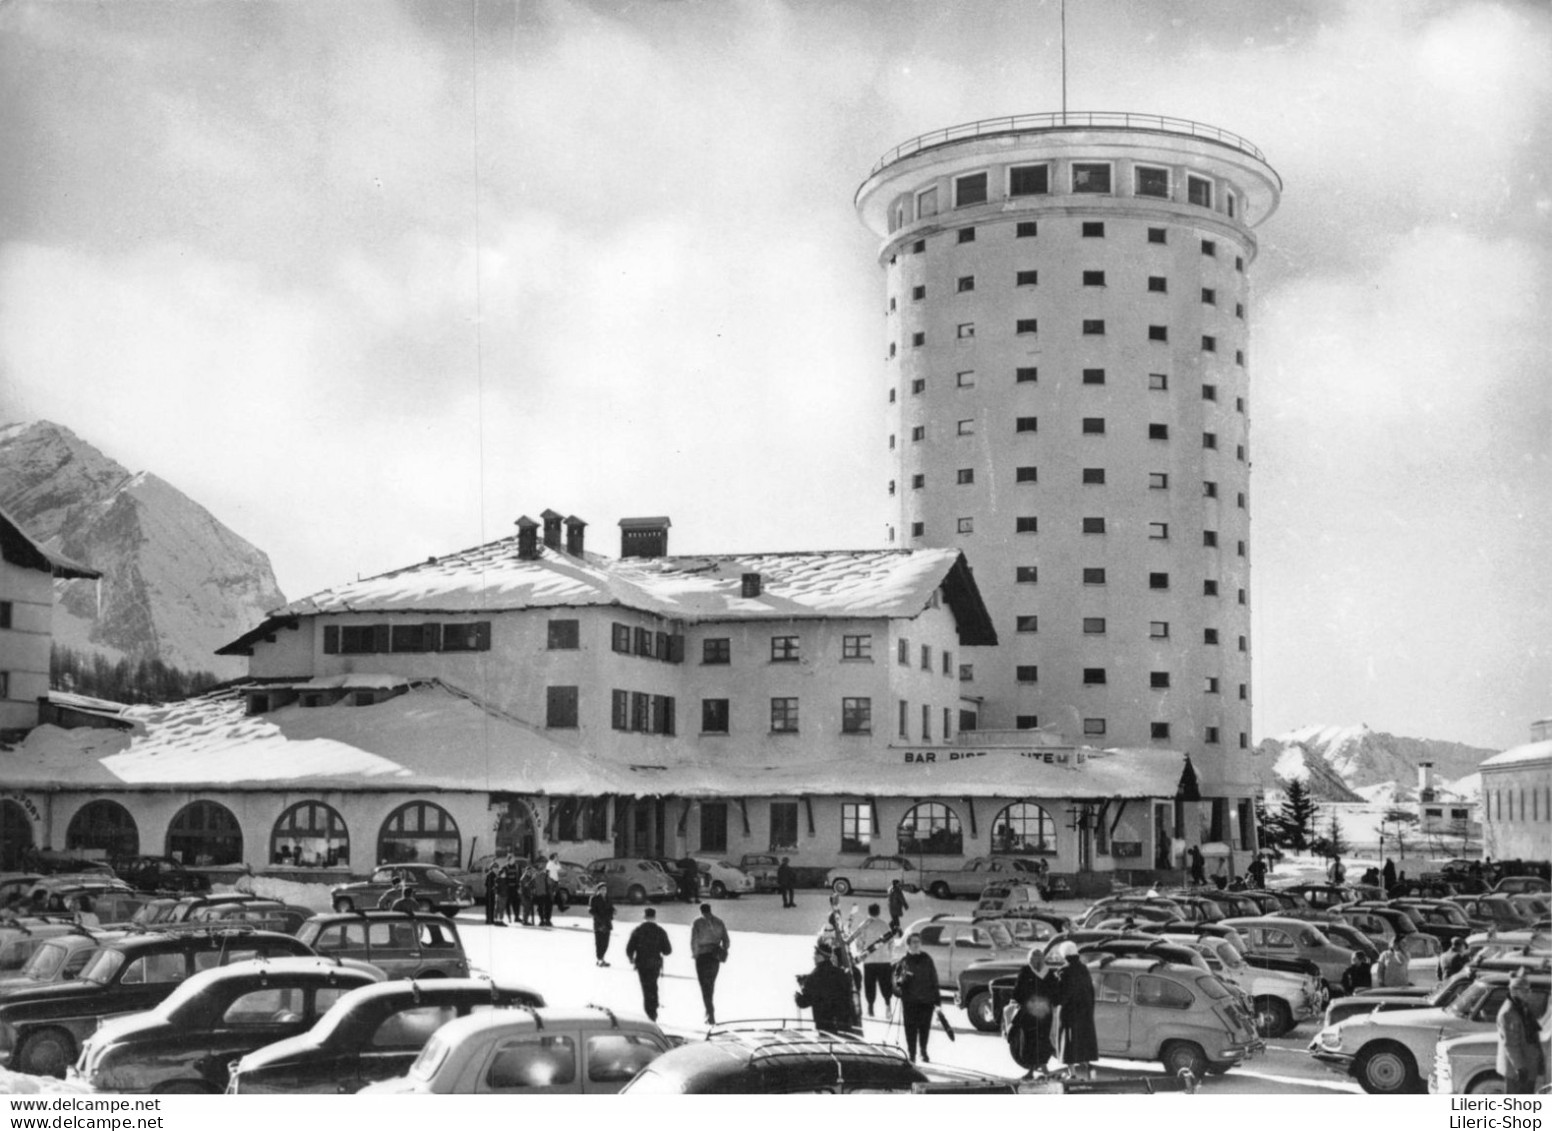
(1071, 133)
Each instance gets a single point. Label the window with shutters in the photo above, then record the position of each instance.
(361, 639)
(641, 711)
(416, 637)
(662, 721)
(472, 637)
(620, 638)
(644, 642)
(619, 709)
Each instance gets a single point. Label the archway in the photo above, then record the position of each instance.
(1023, 828)
(931, 829)
(205, 833)
(420, 832)
(104, 825)
(310, 834)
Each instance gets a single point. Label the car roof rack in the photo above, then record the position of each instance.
(614, 1022)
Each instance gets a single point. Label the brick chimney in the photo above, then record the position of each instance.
(751, 585)
(527, 538)
(551, 529)
(644, 537)
(574, 528)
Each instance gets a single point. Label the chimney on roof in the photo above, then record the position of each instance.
(644, 537)
(527, 539)
(751, 586)
(1425, 791)
(574, 528)
(551, 529)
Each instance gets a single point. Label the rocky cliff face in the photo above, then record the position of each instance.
(1359, 764)
(176, 584)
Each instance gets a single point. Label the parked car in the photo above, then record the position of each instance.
(176, 909)
(1029, 927)
(874, 874)
(1204, 930)
(372, 1033)
(792, 1061)
(575, 884)
(1276, 937)
(722, 879)
(1281, 998)
(632, 879)
(1535, 906)
(1006, 897)
(971, 877)
(1469, 1065)
(1323, 897)
(1493, 912)
(261, 914)
(1145, 1009)
(41, 1029)
(1120, 908)
(58, 959)
(1510, 885)
(531, 1052)
(20, 939)
(1392, 1052)
(403, 944)
(1438, 917)
(430, 887)
(188, 1042)
(159, 874)
(1228, 902)
(1345, 934)
(955, 941)
(762, 866)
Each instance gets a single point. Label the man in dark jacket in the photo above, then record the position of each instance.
(493, 892)
(827, 991)
(1357, 976)
(897, 904)
(601, 908)
(689, 879)
(544, 893)
(1075, 1005)
(916, 983)
(1520, 1059)
(787, 883)
(645, 948)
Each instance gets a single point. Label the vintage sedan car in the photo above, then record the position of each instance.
(41, 1029)
(632, 879)
(1155, 909)
(955, 941)
(372, 1033)
(1438, 917)
(20, 939)
(430, 887)
(1277, 937)
(403, 944)
(1008, 897)
(164, 912)
(1392, 1052)
(1469, 1065)
(792, 1061)
(722, 879)
(575, 884)
(188, 1042)
(1323, 897)
(968, 880)
(874, 874)
(531, 1052)
(1281, 998)
(261, 914)
(1512, 884)
(159, 874)
(1489, 912)
(59, 959)
(762, 866)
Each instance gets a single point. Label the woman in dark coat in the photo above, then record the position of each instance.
(916, 985)
(1075, 1002)
(1029, 1014)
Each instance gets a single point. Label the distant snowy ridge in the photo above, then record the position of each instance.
(1357, 764)
(177, 584)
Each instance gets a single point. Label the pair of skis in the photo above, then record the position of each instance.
(842, 932)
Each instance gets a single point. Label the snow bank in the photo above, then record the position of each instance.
(18, 1084)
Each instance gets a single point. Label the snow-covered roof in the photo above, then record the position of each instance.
(438, 737)
(830, 583)
(18, 548)
(1519, 755)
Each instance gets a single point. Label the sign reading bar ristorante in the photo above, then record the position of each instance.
(934, 757)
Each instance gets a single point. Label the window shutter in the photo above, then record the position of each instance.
(662, 646)
(382, 638)
(482, 636)
(676, 649)
(668, 714)
(431, 637)
(331, 639)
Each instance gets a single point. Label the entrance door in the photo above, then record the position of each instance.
(646, 829)
(1162, 838)
(15, 836)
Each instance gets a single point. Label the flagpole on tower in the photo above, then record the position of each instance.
(1064, 62)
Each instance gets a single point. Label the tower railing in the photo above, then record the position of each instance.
(1094, 119)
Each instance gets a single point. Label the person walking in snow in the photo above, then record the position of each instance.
(646, 948)
(709, 947)
(897, 904)
(1198, 865)
(1257, 871)
(916, 981)
(1389, 874)
(601, 908)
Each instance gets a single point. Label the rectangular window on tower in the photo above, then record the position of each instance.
(1199, 191)
(1090, 176)
(1026, 575)
(969, 190)
(1151, 181)
(1029, 180)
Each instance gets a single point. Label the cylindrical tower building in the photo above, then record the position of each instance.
(1067, 396)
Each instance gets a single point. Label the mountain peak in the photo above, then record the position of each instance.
(177, 583)
(1358, 763)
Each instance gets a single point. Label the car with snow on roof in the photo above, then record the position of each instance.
(1392, 1052)
(1156, 909)
(187, 1043)
(549, 1051)
(1277, 937)
(42, 1027)
(372, 1033)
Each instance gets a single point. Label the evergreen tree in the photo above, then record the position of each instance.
(148, 680)
(1297, 816)
(1335, 845)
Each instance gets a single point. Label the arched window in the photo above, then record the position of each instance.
(931, 828)
(310, 834)
(205, 832)
(15, 836)
(419, 832)
(106, 825)
(1023, 827)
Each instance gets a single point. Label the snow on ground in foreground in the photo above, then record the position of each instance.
(18, 1084)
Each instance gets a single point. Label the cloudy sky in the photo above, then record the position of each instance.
(370, 280)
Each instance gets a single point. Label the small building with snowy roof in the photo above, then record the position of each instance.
(537, 697)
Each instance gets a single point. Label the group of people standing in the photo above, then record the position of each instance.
(1051, 1012)
(521, 891)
